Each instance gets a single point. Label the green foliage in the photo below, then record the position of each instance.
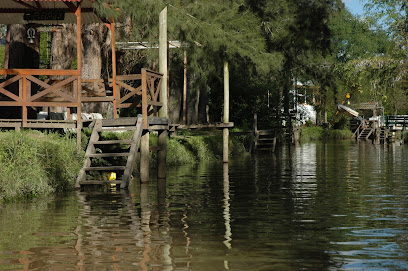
(35, 164)
(318, 133)
(178, 154)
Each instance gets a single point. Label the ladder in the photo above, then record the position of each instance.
(365, 133)
(96, 143)
(265, 140)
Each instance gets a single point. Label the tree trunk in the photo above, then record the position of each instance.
(175, 103)
(92, 40)
(63, 47)
(63, 53)
(202, 114)
(193, 99)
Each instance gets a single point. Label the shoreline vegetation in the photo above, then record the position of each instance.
(35, 163)
(315, 133)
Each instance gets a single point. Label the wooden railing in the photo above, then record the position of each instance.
(23, 88)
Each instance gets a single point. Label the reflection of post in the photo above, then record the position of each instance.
(145, 207)
(163, 216)
(227, 215)
(188, 240)
(77, 231)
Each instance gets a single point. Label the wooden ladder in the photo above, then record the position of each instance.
(265, 140)
(130, 154)
(365, 133)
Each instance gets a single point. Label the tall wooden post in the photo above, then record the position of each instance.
(144, 157)
(161, 154)
(114, 87)
(185, 89)
(163, 61)
(226, 113)
(79, 69)
(163, 68)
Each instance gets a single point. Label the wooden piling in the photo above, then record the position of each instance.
(163, 68)
(185, 89)
(144, 157)
(225, 133)
(161, 154)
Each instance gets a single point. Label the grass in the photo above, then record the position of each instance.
(319, 133)
(36, 164)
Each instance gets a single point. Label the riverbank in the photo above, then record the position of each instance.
(319, 133)
(35, 164)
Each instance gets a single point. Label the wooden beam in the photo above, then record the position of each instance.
(71, 6)
(38, 4)
(21, 10)
(40, 72)
(24, 4)
(207, 126)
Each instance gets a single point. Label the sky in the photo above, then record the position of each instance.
(356, 7)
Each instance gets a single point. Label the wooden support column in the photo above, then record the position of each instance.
(114, 86)
(163, 67)
(161, 154)
(226, 113)
(144, 157)
(185, 89)
(79, 68)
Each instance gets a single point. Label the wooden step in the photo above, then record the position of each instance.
(108, 154)
(115, 129)
(105, 168)
(112, 142)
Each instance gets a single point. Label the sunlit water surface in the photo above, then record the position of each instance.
(334, 206)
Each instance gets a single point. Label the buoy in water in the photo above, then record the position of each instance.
(112, 176)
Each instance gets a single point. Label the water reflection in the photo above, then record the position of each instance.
(315, 207)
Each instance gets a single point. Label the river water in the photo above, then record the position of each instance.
(320, 206)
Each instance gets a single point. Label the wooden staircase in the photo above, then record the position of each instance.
(365, 133)
(383, 135)
(265, 140)
(124, 170)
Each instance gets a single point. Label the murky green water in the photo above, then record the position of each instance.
(337, 206)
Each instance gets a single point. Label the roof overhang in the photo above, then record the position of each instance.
(46, 11)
